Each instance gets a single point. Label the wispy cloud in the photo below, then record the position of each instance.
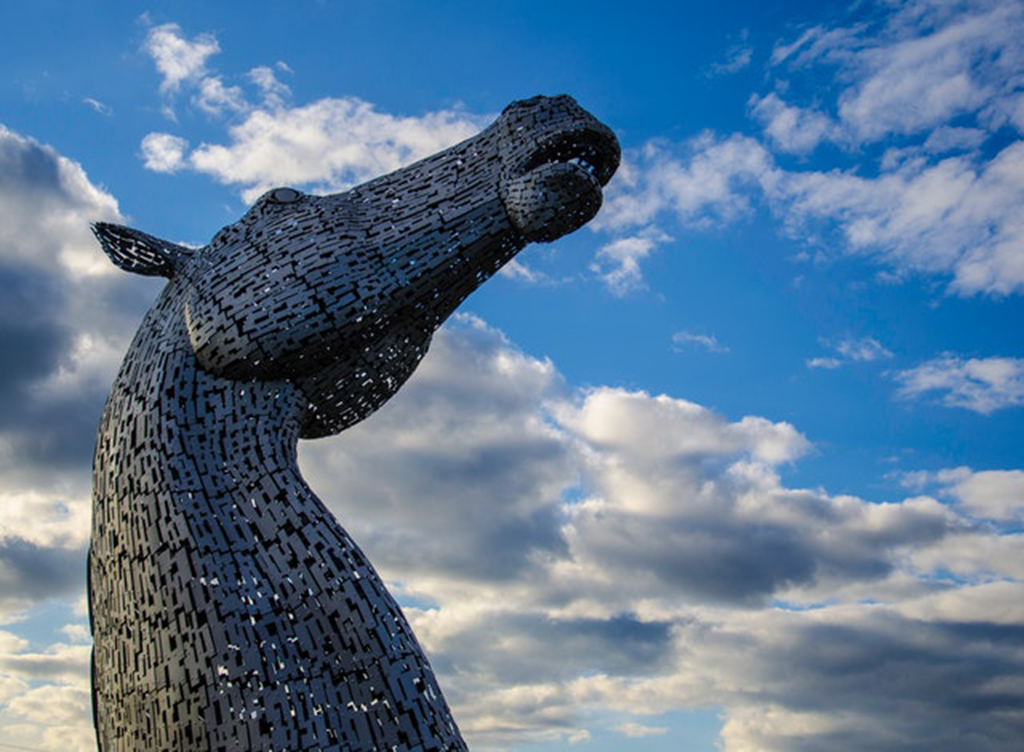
(99, 107)
(177, 58)
(933, 82)
(638, 730)
(853, 350)
(983, 385)
(618, 263)
(683, 339)
(791, 129)
(737, 57)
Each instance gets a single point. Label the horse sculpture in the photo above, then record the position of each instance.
(229, 609)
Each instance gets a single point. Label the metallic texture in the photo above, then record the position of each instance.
(230, 610)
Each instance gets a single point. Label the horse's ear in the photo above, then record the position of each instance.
(139, 253)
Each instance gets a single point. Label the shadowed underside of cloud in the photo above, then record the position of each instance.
(64, 320)
(647, 557)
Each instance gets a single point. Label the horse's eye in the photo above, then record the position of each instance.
(285, 196)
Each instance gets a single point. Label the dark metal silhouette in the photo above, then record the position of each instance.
(230, 610)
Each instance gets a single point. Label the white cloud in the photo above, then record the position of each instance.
(954, 217)
(995, 494)
(330, 143)
(163, 152)
(792, 129)
(930, 64)
(68, 664)
(69, 314)
(637, 730)
(45, 519)
(618, 262)
(707, 184)
(851, 350)
(927, 64)
(99, 107)
(275, 93)
(826, 362)
(45, 701)
(516, 269)
(737, 58)
(214, 98)
(683, 338)
(178, 59)
(628, 597)
(983, 385)
(934, 86)
(51, 201)
(947, 138)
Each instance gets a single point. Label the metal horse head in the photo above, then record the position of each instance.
(230, 610)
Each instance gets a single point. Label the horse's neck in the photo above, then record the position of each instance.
(172, 431)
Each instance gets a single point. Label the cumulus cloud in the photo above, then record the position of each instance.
(983, 385)
(177, 58)
(275, 93)
(162, 152)
(618, 262)
(214, 98)
(330, 144)
(48, 702)
(985, 494)
(65, 318)
(615, 550)
(565, 554)
(994, 494)
(50, 199)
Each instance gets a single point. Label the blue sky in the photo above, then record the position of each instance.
(736, 466)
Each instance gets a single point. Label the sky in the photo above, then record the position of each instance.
(735, 467)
